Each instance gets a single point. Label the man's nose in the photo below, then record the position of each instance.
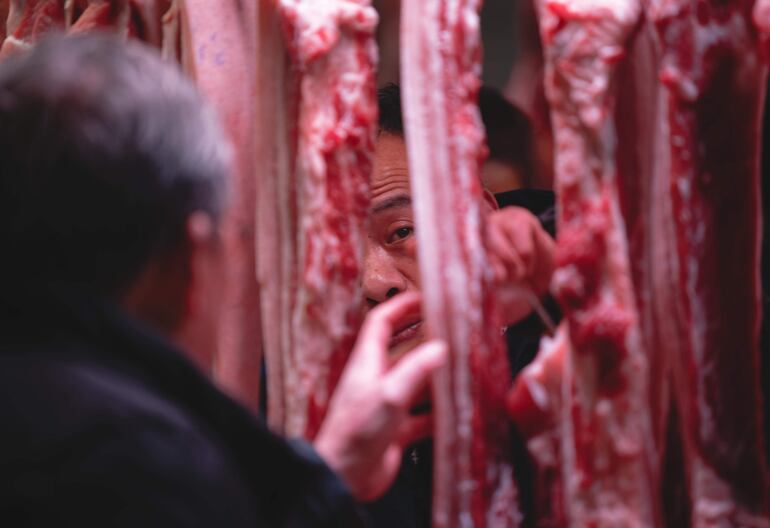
(382, 279)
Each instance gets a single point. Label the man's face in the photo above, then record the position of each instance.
(390, 262)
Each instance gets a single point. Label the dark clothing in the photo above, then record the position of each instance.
(407, 502)
(540, 203)
(105, 424)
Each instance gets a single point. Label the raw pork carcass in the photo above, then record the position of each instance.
(688, 87)
(140, 19)
(689, 135)
(5, 6)
(473, 479)
(219, 43)
(96, 14)
(314, 197)
(712, 88)
(607, 450)
(28, 19)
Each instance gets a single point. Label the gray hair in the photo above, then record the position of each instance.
(105, 151)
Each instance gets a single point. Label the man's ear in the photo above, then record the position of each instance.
(489, 200)
(200, 235)
(197, 333)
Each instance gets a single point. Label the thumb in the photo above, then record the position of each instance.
(408, 377)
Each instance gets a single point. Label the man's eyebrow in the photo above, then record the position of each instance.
(402, 200)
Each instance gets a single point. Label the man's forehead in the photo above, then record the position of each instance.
(390, 175)
(391, 202)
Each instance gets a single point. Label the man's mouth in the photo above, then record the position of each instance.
(407, 332)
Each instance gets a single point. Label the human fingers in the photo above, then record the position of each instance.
(502, 248)
(545, 248)
(407, 379)
(377, 329)
(520, 236)
(416, 428)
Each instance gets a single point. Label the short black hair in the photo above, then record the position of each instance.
(509, 133)
(105, 151)
(389, 101)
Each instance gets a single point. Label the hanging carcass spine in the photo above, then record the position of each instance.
(440, 57)
(314, 198)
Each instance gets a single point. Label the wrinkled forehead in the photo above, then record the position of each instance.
(390, 173)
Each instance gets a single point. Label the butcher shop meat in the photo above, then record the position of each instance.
(314, 197)
(692, 103)
(440, 53)
(678, 118)
(27, 20)
(218, 44)
(606, 439)
(712, 84)
(5, 5)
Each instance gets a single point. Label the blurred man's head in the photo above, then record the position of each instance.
(112, 175)
(390, 265)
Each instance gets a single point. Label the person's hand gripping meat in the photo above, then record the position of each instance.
(368, 423)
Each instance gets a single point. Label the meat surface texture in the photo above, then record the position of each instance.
(314, 199)
(27, 20)
(679, 117)
(606, 441)
(712, 86)
(5, 6)
(473, 481)
(218, 49)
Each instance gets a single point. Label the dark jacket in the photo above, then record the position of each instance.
(105, 424)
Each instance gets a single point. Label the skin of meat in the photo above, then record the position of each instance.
(27, 20)
(536, 405)
(473, 481)
(219, 43)
(314, 201)
(688, 196)
(607, 447)
(104, 13)
(709, 56)
(5, 6)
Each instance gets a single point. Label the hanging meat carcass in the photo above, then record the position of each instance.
(317, 148)
(711, 93)
(607, 452)
(218, 49)
(5, 6)
(473, 480)
(28, 19)
(685, 126)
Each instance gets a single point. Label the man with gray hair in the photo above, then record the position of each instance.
(112, 184)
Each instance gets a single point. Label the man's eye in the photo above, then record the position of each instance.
(401, 233)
